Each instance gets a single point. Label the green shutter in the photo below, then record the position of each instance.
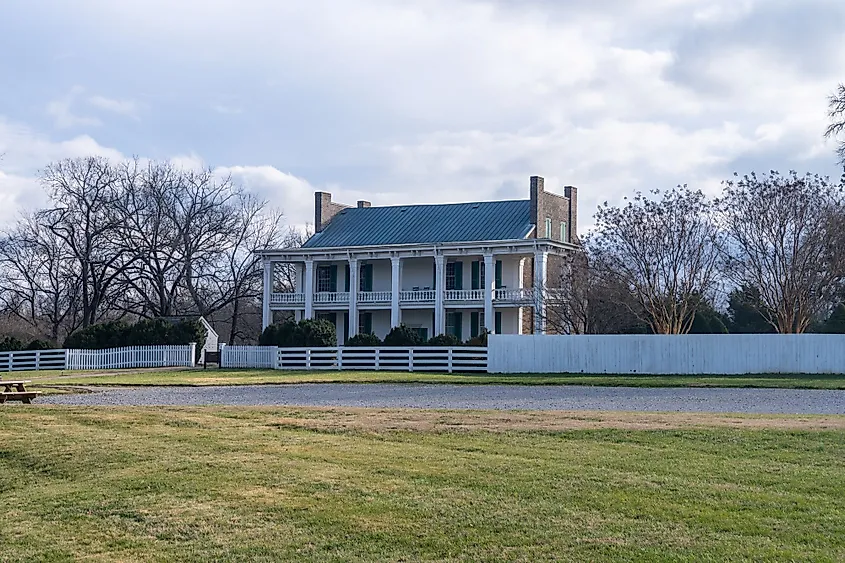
(459, 325)
(498, 326)
(473, 324)
(368, 323)
(498, 274)
(333, 278)
(459, 275)
(476, 275)
(346, 278)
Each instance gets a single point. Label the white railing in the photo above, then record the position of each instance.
(248, 357)
(132, 357)
(418, 296)
(374, 296)
(519, 295)
(456, 359)
(331, 297)
(33, 360)
(464, 295)
(287, 299)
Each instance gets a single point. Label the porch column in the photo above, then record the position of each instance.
(353, 297)
(489, 286)
(309, 289)
(540, 259)
(266, 313)
(395, 268)
(439, 288)
(521, 285)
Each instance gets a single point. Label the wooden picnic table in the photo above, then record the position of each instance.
(15, 390)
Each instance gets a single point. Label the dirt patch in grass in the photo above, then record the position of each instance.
(378, 420)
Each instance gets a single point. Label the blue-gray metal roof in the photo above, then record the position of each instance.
(426, 224)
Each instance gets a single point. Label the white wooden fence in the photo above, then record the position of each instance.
(438, 359)
(690, 354)
(114, 358)
(132, 357)
(33, 360)
(248, 356)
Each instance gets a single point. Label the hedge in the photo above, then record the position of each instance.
(151, 332)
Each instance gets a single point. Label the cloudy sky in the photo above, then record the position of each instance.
(413, 101)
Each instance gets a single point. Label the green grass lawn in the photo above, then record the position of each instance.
(243, 377)
(246, 484)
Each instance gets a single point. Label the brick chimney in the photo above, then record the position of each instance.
(362, 204)
(571, 193)
(324, 210)
(537, 188)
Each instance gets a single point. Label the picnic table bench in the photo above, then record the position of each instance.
(16, 391)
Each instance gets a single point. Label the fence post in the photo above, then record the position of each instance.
(340, 359)
(308, 358)
(410, 359)
(449, 359)
(378, 362)
(222, 350)
(11, 360)
(192, 360)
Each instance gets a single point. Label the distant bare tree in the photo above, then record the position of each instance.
(786, 236)
(663, 251)
(836, 112)
(85, 194)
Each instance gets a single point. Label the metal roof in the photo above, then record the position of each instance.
(421, 224)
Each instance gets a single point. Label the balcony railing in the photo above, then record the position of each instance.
(331, 298)
(287, 299)
(518, 295)
(464, 295)
(374, 296)
(418, 296)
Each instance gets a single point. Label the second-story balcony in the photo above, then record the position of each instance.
(503, 296)
(375, 297)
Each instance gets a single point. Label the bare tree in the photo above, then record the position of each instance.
(785, 236)
(663, 251)
(85, 193)
(836, 112)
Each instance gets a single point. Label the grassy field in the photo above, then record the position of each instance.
(344, 485)
(244, 377)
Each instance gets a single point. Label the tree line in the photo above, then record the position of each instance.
(137, 240)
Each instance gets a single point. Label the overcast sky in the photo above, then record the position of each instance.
(418, 101)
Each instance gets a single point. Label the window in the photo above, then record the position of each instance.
(563, 233)
(331, 317)
(365, 323)
(326, 279)
(477, 274)
(365, 278)
(498, 323)
(498, 279)
(422, 332)
(450, 275)
(548, 227)
(476, 325)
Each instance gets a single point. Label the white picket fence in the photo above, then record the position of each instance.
(33, 360)
(132, 357)
(113, 358)
(248, 356)
(438, 359)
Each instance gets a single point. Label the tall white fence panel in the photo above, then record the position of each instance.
(132, 357)
(437, 359)
(690, 354)
(32, 360)
(248, 357)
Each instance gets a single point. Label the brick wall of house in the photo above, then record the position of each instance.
(555, 207)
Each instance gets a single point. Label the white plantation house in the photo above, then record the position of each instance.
(439, 269)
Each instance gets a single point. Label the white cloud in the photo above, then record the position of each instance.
(128, 108)
(61, 111)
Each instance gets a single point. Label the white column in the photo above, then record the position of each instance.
(439, 288)
(489, 286)
(353, 297)
(395, 269)
(309, 289)
(540, 259)
(266, 313)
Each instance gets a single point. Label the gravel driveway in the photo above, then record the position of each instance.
(496, 397)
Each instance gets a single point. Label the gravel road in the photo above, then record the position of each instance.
(495, 397)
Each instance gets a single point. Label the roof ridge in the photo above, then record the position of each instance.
(438, 204)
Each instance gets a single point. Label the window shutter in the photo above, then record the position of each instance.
(346, 284)
(333, 278)
(473, 324)
(367, 277)
(498, 321)
(459, 325)
(459, 275)
(498, 274)
(368, 323)
(476, 275)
